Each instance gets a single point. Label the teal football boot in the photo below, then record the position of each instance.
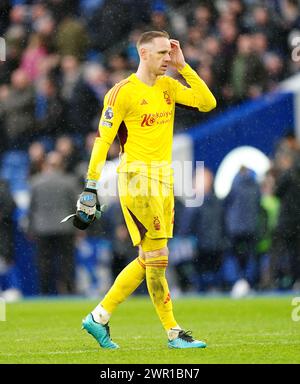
(185, 340)
(99, 331)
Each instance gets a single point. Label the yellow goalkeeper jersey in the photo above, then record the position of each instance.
(143, 116)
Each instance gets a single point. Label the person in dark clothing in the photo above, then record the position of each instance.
(5, 7)
(65, 145)
(50, 110)
(53, 196)
(17, 109)
(248, 73)
(206, 224)
(114, 20)
(242, 207)
(287, 233)
(122, 251)
(7, 207)
(37, 156)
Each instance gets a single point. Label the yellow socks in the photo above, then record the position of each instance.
(159, 291)
(129, 279)
(126, 283)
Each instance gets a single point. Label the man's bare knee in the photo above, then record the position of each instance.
(141, 253)
(157, 253)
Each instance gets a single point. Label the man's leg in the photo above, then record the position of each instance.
(156, 260)
(45, 265)
(127, 281)
(66, 265)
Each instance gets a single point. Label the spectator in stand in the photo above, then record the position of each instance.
(202, 18)
(37, 157)
(264, 23)
(268, 219)
(287, 235)
(275, 71)
(17, 110)
(7, 207)
(242, 207)
(248, 73)
(5, 7)
(66, 147)
(159, 19)
(114, 20)
(32, 57)
(45, 27)
(192, 46)
(71, 72)
(72, 38)
(50, 110)
(61, 8)
(82, 91)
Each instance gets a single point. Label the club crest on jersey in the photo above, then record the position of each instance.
(156, 223)
(168, 298)
(108, 114)
(167, 97)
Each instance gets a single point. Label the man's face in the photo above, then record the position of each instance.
(157, 55)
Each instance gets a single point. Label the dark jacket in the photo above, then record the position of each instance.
(53, 197)
(288, 190)
(7, 207)
(17, 112)
(242, 206)
(205, 223)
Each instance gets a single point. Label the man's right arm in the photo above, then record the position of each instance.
(111, 118)
(112, 115)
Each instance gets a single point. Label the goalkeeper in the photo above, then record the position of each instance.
(140, 110)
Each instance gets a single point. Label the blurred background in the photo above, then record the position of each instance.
(62, 56)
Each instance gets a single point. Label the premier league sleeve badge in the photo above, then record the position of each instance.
(108, 114)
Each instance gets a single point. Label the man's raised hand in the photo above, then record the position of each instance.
(177, 58)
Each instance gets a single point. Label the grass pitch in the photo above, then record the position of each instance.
(254, 330)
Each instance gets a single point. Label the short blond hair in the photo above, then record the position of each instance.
(146, 37)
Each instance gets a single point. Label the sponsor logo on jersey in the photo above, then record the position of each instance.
(144, 102)
(149, 119)
(108, 114)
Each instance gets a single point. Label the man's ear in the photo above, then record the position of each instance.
(143, 53)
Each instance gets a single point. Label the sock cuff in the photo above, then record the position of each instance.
(159, 261)
(100, 314)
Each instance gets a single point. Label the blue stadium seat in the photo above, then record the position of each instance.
(14, 168)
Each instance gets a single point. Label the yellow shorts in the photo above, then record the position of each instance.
(147, 205)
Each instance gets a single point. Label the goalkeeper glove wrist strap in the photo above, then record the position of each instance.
(91, 185)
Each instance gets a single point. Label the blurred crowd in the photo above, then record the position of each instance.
(62, 56)
(249, 239)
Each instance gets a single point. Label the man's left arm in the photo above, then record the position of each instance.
(198, 95)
